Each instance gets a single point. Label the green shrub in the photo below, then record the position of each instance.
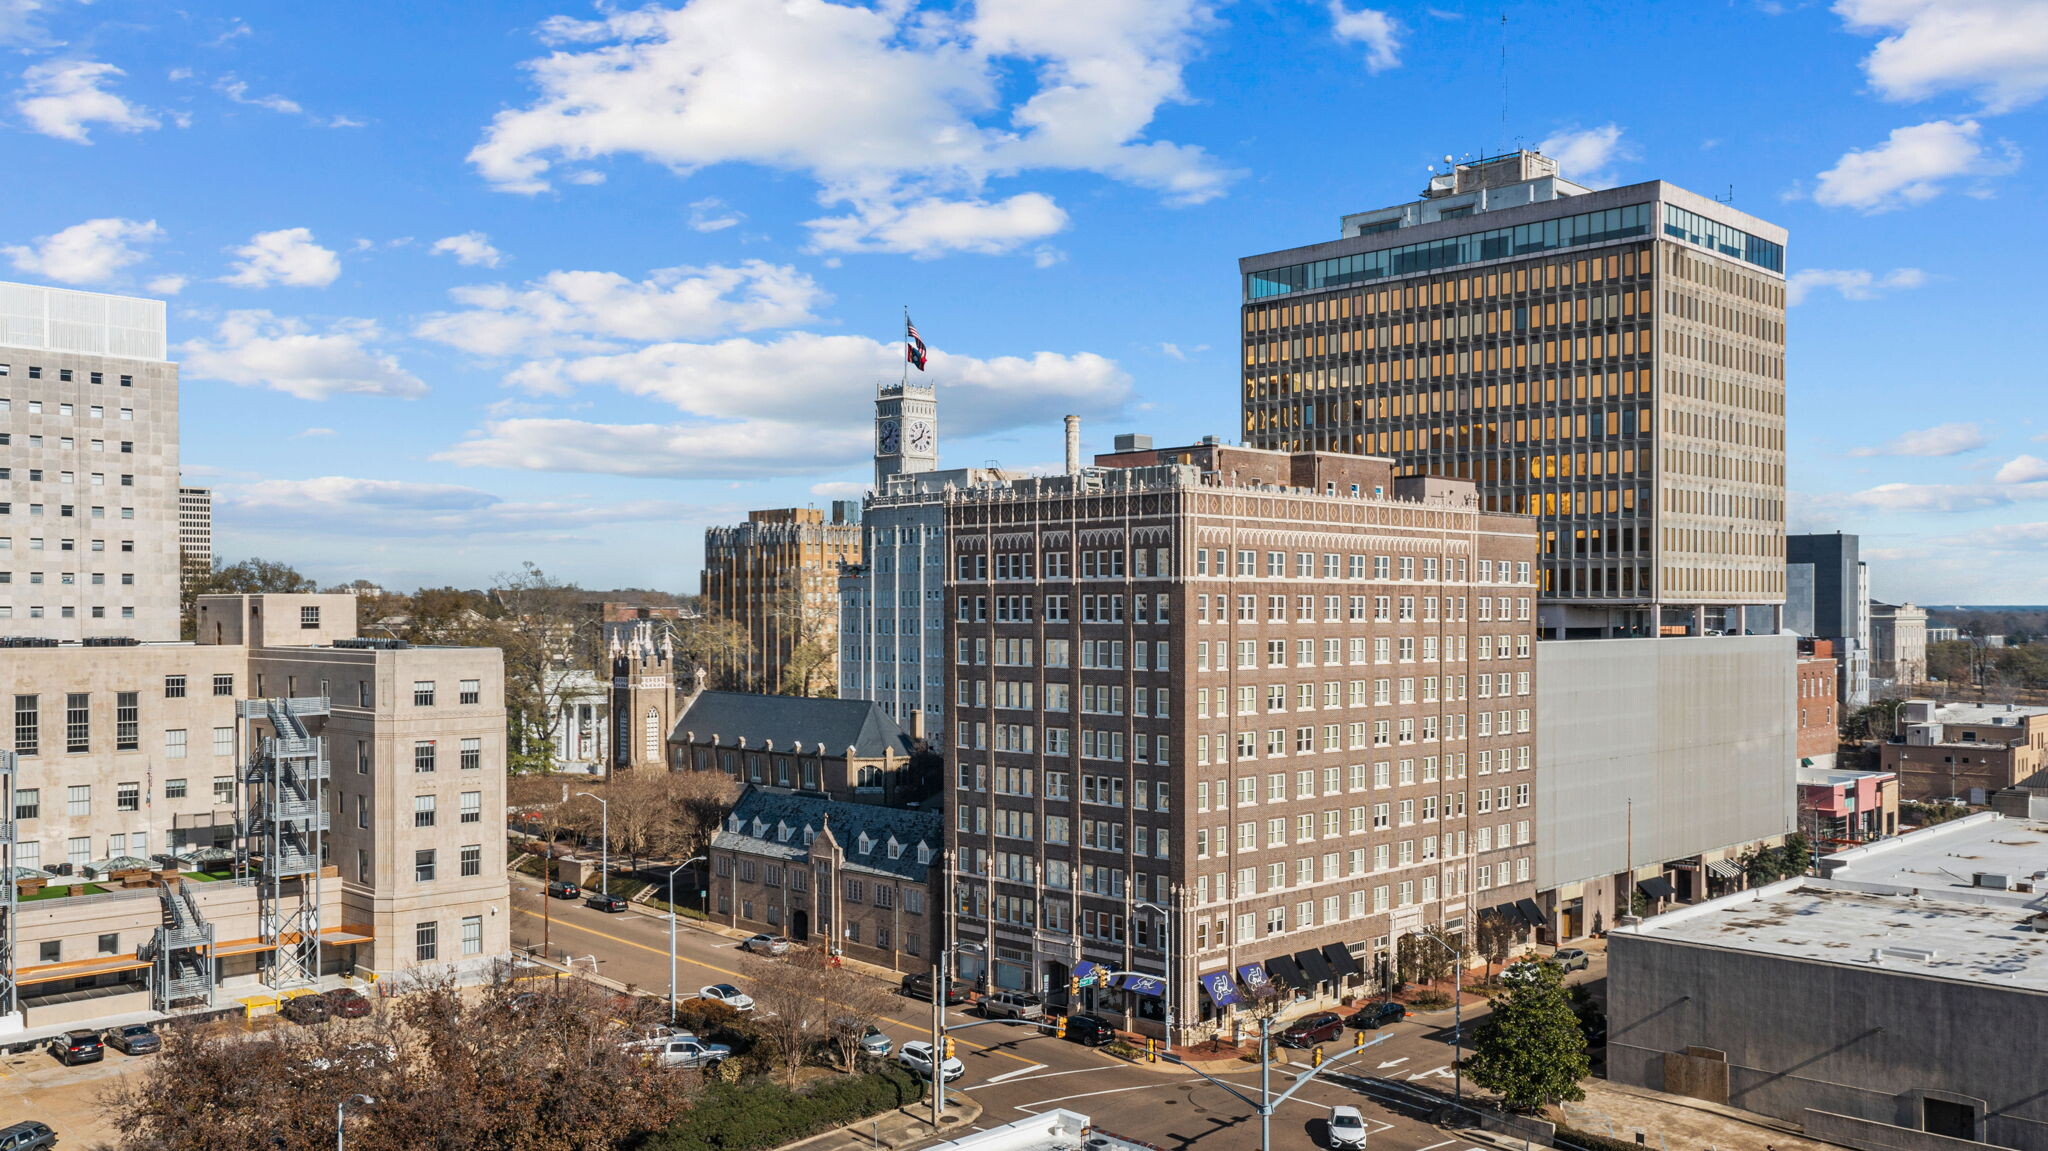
(762, 1114)
(1430, 1001)
(1124, 1050)
(1590, 1141)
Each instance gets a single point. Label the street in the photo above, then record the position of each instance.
(1016, 1069)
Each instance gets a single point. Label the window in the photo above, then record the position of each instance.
(223, 685)
(309, 617)
(426, 938)
(473, 935)
(28, 803)
(472, 753)
(127, 720)
(174, 687)
(473, 859)
(78, 799)
(174, 789)
(472, 807)
(224, 741)
(128, 797)
(423, 755)
(27, 725)
(174, 743)
(472, 691)
(423, 865)
(223, 789)
(423, 810)
(423, 693)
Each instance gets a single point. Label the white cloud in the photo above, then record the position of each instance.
(1852, 283)
(347, 505)
(885, 106)
(259, 349)
(1995, 49)
(470, 249)
(712, 215)
(1944, 497)
(1587, 155)
(1379, 32)
(930, 228)
(1912, 166)
(839, 490)
(311, 433)
(1938, 441)
(167, 285)
(238, 91)
(21, 24)
(2022, 470)
(288, 256)
(772, 408)
(594, 311)
(61, 97)
(89, 253)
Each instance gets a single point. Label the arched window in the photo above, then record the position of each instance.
(653, 733)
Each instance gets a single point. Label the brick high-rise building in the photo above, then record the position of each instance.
(777, 576)
(1611, 362)
(89, 478)
(1282, 700)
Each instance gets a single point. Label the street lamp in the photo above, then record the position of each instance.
(341, 1110)
(1166, 954)
(672, 934)
(604, 840)
(1458, 1014)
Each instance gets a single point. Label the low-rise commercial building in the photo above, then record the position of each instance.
(276, 783)
(1820, 733)
(854, 877)
(1841, 808)
(1889, 1007)
(1965, 750)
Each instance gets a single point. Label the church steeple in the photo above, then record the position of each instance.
(906, 431)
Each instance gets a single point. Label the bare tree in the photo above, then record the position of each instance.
(1495, 938)
(792, 1007)
(538, 630)
(853, 1004)
(718, 646)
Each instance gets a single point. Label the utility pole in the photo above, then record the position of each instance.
(604, 840)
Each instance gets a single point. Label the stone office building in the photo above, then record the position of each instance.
(1270, 704)
(855, 877)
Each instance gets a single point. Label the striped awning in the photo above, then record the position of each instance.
(1722, 869)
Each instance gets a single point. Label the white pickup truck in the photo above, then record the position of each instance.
(681, 1049)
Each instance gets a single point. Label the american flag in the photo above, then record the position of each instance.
(913, 344)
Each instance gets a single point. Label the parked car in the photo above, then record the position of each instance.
(564, 889)
(917, 1058)
(346, 1003)
(681, 1050)
(307, 1009)
(603, 902)
(1374, 1016)
(766, 945)
(27, 1136)
(1347, 1129)
(1089, 1031)
(134, 1039)
(1012, 1005)
(876, 1043)
(1571, 958)
(75, 1047)
(1310, 1030)
(727, 994)
(919, 986)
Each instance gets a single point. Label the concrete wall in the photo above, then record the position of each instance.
(1857, 1040)
(1700, 732)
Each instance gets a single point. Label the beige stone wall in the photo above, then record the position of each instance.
(275, 620)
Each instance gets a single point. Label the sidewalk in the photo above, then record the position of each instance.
(903, 1127)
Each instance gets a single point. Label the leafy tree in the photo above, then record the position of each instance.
(1531, 1049)
(1795, 856)
(1875, 721)
(244, 577)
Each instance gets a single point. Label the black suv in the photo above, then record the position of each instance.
(75, 1047)
(1089, 1031)
(919, 987)
(564, 889)
(603, 902)
(28, 1136)
(1373, 1016)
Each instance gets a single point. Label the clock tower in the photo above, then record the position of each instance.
(906, 431)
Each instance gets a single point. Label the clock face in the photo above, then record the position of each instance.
(890, 438)
(920, 437)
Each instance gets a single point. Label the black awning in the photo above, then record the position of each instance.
(1656, 887)
(1342, 961)
(1531, 913)
(1284, 969)
(1317, 968)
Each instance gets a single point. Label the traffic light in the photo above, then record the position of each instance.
(1073, 987)
(1059, 1027)
(1315, 1057)
(949, 1046)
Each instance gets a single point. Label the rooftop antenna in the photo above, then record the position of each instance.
(1727, 199)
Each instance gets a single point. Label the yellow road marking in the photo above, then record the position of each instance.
(663, 952)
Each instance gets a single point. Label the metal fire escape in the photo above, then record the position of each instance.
(179, 970)
(9, 999)
(283, 818)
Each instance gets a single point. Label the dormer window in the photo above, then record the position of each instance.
(895, 848)
(783, 831)
(867, 844)
(809, 835)
(924, 853)
(760, 827)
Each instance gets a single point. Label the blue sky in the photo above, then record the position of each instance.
(456, 286)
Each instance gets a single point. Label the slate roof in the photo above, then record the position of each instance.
(787, 720)
(758, 821)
